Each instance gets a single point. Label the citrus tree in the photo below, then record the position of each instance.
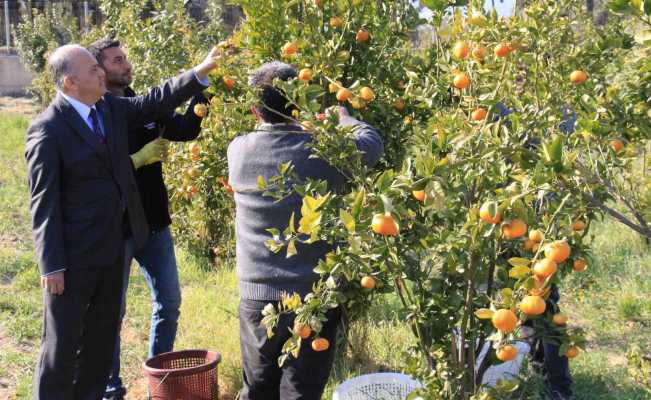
(473, 214)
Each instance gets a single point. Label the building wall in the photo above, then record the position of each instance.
(14, 78)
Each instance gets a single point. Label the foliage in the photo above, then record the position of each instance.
(39, 33)
(450, 270)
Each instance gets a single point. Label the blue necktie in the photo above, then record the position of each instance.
(96, 128)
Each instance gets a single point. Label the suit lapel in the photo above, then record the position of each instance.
(73, 118)
(107, 118)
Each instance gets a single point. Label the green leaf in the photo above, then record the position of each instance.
(357, 204)
(556, 149)
(291, 248)
(348, 220)
(519, 272)
(435, 5)
(643, 36)
(383, 182)
(620, 6)
(262, 184)
(506, 386)
(519, 262)
(484, 313)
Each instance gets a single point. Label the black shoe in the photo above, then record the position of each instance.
(115, 394)
(560, 396)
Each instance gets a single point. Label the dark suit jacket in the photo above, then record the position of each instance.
(80, 188)
(149, 178)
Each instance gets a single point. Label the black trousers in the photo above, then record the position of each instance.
(303, 378)
(79, 330)
(556, 367)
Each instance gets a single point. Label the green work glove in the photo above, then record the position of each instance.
(152, 152)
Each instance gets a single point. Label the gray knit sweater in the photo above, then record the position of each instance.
(262, 274)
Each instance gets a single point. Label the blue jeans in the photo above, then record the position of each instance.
(158, 265)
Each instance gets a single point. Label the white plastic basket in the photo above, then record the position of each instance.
(505, 371)
(380, 386)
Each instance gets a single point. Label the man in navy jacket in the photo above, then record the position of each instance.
(156, 258)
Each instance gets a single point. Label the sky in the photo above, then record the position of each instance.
(503, 7)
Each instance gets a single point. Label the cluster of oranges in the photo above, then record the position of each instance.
(533, 304)
(461, 80)
(304, 332)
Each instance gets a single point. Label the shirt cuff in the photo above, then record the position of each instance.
(53, 272)
(205, 82)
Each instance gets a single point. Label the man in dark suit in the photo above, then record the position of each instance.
(85, 208)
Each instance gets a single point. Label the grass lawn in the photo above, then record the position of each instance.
(610, 301)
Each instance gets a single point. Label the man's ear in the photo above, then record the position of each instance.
(255, 113)
(68, 82)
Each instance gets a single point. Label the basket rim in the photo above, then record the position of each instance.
(158, 372)
(375, 377)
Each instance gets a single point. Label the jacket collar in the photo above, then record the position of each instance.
(281, 127)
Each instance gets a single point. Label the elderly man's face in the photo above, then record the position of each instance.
(88, 79)
(117, 67)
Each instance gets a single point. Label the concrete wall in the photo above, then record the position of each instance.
(14, 78)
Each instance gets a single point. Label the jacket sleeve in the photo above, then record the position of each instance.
(161, 101)
(181, 128)
(44, 178)
(367, 139)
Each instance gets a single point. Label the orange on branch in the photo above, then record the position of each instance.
(572, 352)
(305, 74)
(303, 331)
(399, 105)
(336, 22)
(536, 235)
(200, 110)
(578, 77)
(545, 268)
(579, 265)
(461, 81)
(506, 353)
(419, 195)
(485, 213)
(558, 251)
(514, 229)
(385, 225)
(504, 320)
(502, 50)
(320, 344)
(578, 225)
(362, 36)
(559, 319)
(289, 49)
(617, 145)
(367, 282)
(479, 53)
(333, 87)
(478, 115)
(343, 94)
(461, 49)
(229, 82)
(367, 94)
(532, 305)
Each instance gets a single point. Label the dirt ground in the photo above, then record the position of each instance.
(20, 105)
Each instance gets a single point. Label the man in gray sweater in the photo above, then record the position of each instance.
(264, 275)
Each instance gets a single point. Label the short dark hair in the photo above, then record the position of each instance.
(274, 106)
(97, 47)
